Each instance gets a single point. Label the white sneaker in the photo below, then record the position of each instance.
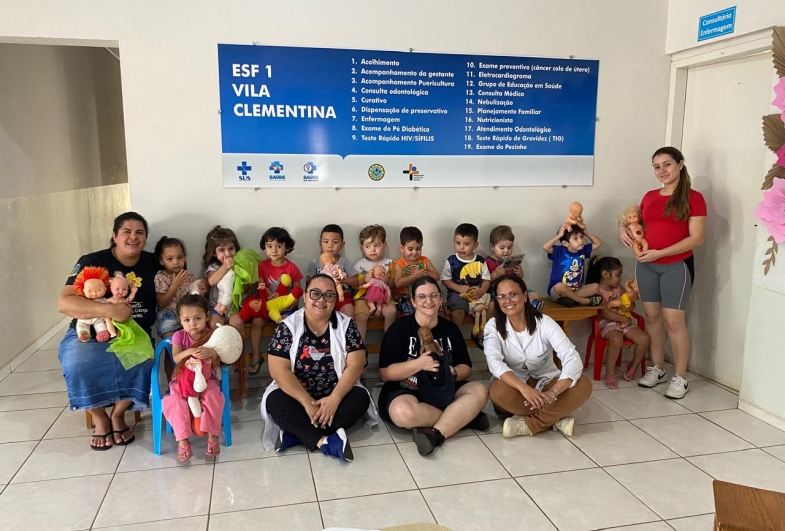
(515, 426)
(654, 376)
(565, 426)
(678, 387)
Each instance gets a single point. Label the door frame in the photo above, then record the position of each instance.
(709, 54)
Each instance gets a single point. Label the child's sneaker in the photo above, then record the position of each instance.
(285, 441)
(654, 376)
(478, 339)
(337, 445)
(427, 439)
(567, 303)
(678, 387)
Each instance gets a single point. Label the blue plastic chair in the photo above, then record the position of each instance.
(157, 406)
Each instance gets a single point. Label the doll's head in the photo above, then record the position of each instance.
(425, 335)
(92, 282)
(119, 286)
(327, 258)
(378, 272)
(631, 214)
(576, 210)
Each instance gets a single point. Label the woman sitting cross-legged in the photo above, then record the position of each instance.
(416, 347)
(526, 382)
(316, 357)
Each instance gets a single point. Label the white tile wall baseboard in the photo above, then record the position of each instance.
(23, 356)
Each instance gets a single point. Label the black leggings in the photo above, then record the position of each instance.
(292, 417)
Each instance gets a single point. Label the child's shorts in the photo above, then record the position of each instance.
(456, 302)
(166, 322)
(607, 325)
(347, 300)
(213, 312)
(554, 296)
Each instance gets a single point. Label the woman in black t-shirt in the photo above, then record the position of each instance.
(316, 357)
(94, 377)
(400, 361)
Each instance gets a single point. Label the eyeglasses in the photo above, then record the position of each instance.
(422, 297)
(512, 296)
(315, 295)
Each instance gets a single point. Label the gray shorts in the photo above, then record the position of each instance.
(668, 284)
(456, 302)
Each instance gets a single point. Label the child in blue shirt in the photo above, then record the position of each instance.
(568, 271)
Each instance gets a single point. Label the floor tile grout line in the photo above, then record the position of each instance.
(535, 504)
(736, 435)
(707, 420)
(632, 493)
(212, 489)
(313, 482)
(774, 456)
(495, 456)
(37, 444)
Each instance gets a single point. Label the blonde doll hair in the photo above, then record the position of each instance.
(627, 211)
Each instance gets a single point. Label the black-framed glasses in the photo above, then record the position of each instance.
(422, 297)
(511, 296)
(315, 295)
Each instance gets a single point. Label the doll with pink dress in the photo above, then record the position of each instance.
(377, 291)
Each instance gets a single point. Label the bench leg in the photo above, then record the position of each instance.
(88, 420)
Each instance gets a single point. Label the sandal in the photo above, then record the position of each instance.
(184, 453)
(213, 448)
(99, 436)
(255, 367)
(595, 300)
(124, 442)
(611, 382)
(629, 374)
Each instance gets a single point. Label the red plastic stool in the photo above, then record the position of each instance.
(601, 344)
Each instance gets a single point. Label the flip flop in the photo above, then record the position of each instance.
(122, 441)
(611, 382)
(629, 374)
(257, 366)
(213, 448)
(184, 453)
(595, 300)
(104, 447)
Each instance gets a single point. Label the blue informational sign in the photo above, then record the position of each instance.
(717, 24)
(336, 117)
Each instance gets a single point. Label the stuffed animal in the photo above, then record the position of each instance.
(575, 217)
(478, 308)
(284, 300)
(427, 342)
(378, 292)
(332, 269)
(623, 305)
(225, 287)
(92, 283)
(630, 217)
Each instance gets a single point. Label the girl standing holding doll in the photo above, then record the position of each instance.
(615, 327)
(170, 284)
(187, 343)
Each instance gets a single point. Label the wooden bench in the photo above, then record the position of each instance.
(742, 508)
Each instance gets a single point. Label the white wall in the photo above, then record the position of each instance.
(170, 93)
(62, 154)
(751, 15)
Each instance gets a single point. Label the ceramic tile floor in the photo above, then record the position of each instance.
(637, 460)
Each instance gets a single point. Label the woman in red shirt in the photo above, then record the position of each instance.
(675, 218)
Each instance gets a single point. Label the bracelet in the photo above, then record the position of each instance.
(554, 396)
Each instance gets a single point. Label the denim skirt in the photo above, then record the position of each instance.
(95, 378)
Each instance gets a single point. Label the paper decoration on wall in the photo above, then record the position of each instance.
(778, 47)
(771, 210)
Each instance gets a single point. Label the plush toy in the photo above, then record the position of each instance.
(630, 217)
(225, 287)
(623, 305)
(478, 308)
(330, 268)
(122, 291)
(427, 342)
(234, 283)
(378, 292)
(92, 283)
(190, 373)
(284, 300)
(255, 306)
(575, 217)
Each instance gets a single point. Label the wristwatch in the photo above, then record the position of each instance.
(454, 373)
(554, 396)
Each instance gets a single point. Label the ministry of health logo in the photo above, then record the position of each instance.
(276, 167)
(244, 168)
(309, 168)
(376, 172)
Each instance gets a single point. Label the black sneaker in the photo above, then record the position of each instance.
(480, 422)
(567, 303)
(427, 439)
(478, 340)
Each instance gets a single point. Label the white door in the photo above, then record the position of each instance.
(724, 153)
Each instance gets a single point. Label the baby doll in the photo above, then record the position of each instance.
(329, 267)
(92, 283)
(623, 305)
(630, 217)
(575, 217)
(428, 344)
(478, 308)
(378, 292)
(122, 291)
